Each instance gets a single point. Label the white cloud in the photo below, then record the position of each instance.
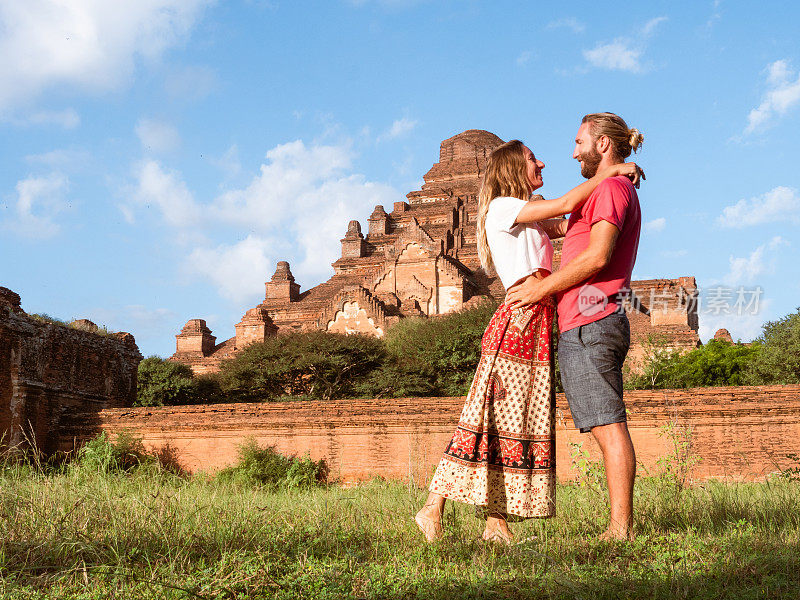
(747, 270)
(297, 185)
(716, 13)
(398, 129)
(675, 253)
(146, 324)
(67, 159)
(157, 136)
(38, 202)
(524, 57)
(167, 192)
(651, 25)
(229, 162)
(615, 56)
(740, 304)
(136, 317)
(191, 82)
(84, 45)
(393, 4)
(133, 318)
(779, 204)
(281, 207)
(744, 326)
(127, 213)
(287, 185)
(623, 53)
(782, 94)
(237, 270)
(66, 119)
(655, 224)
(569, 23)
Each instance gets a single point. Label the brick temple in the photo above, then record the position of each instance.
(419, 260)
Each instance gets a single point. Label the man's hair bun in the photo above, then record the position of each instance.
(635, 139)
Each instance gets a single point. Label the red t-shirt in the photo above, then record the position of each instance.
(614, 200)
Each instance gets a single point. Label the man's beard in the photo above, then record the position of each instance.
(591, 160)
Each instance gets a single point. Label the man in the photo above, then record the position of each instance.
(597, 259)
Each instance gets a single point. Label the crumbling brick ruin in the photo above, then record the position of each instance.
(49, 370)
(740, 433)
(421, 259)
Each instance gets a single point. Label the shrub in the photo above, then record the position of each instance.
(208, 389)
(716, 363)
(259, 465)
(317, 365)
(395, 379)
(444, 349)
(123, 454)
(45, 318)
(777, 355)
(656, 365)
(101, 330)
(164, 383)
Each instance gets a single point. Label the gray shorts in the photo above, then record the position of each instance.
(590, 359)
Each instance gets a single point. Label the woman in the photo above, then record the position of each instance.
(502, 455)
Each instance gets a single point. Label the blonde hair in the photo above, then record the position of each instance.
(623, 140)
(505, 175)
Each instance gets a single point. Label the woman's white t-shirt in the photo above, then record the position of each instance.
(517, 250)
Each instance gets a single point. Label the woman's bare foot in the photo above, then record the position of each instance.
(497, 531)
(429, 517)
(430, 523)
(498, 536)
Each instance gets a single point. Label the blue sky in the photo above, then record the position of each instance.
(160, 156)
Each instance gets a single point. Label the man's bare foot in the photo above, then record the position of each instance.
(430, 523)
(616, 535)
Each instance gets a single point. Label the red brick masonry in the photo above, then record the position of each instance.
(48, 371)
(738, 432)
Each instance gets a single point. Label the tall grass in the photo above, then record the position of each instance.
(87, 531)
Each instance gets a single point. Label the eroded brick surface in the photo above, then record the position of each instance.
(737, 432)
(49, 370)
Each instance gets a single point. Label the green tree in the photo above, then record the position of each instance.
(316, 364)
(208, 389)
(657, 362)
(777, 357)
(445, 349)
(162, 382)
(395, 379)
(716, 363)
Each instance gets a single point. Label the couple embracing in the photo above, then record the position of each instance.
(502, 455)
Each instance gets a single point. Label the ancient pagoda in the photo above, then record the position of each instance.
(419, 260)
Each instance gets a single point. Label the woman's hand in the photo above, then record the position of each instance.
(630, 170)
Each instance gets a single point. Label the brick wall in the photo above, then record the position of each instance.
(739, 432)
(49, 370)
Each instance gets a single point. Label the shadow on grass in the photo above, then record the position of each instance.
(309, 563)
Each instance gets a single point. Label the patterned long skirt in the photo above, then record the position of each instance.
(502, 455)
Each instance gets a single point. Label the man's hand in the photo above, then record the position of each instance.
(526, 292)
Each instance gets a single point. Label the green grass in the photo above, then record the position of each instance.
(101, 330)
(90, 533)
